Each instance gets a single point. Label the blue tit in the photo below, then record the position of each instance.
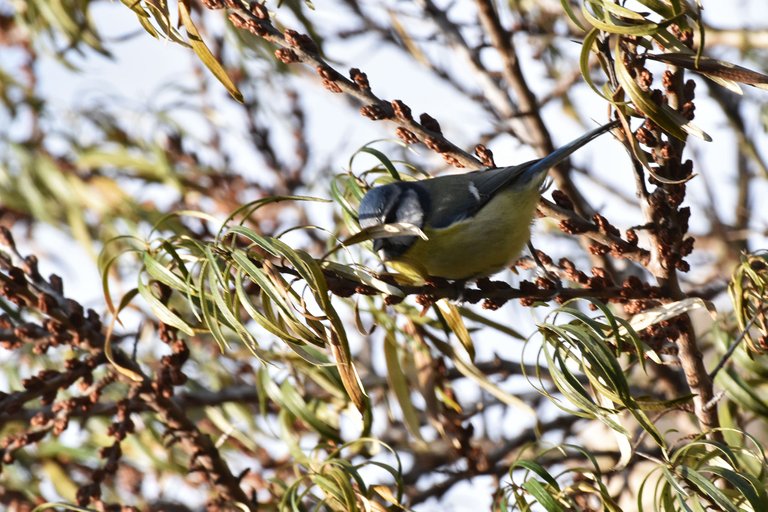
(475, 223)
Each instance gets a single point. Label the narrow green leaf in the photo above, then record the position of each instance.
(707, 487)
(741, 392)
(205, 55)
(452, 317)
(668, 119)
(471, 371)
(537, 468)
(622, 12)
(60, 505)
(291, 399)
(209, 311)
(711, 67)
(381, 157)
(540, 494)
(471, 314)
(160, 272)
(275, 296)
(398, 383)
(364, 278)
(615, 26)
(660, 7)
(750, 488)
(163, 313)
(226, 302)
(568, 9)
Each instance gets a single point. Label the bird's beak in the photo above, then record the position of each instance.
(378, 244)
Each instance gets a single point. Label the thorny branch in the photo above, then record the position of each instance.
(67, 324)
(295, 47)
(668, 221)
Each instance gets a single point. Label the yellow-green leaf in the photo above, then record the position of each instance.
(204, 53)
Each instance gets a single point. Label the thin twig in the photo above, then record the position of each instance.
(734, 346)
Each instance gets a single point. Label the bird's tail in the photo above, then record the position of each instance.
(539, 167)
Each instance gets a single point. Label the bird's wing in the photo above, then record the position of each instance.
(458, 197)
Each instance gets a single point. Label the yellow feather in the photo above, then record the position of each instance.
(477, 246)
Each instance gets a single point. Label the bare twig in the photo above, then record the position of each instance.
(724, 360)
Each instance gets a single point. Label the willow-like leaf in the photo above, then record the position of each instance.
(618, 11)
(256, 315)
(313, 275)
(559, 490)
(542, 497)
(750, 488)
(159, 271)
(381, 157)
(163, 312)
(389, 230)
(63, 483)
(586, 51)
(223, 423)
(68, 23)
(325, 374)
(700, 462)
(209, 311)
(274, 293)
(450, 313)
(287, 395)
(471, 314)
(363, 277)
(218, 289)
(668, 119)
(748, 290)
(672, 491)
(156, 11)
(470, 371)
(630, 24)
(309, 270)
(57, 505)
(347, 193)
(664, 9)
(398, 384)
(707, 488)
(121, 158)
(247, 210)
(538, 469)
(107, 260)
(205, 54)
(711, 67)
(742, 392)
(108, 353)
(583, 341)
(568, 10)
(668, 311)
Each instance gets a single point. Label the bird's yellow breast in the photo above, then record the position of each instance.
(474, 247)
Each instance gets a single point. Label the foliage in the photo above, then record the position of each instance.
(246, 351)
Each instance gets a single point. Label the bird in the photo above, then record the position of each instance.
(473, 224)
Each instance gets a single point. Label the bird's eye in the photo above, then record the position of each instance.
(409, 209)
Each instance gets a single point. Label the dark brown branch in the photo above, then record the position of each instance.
(495, 459)
(300, 48)
(668, 221)
(205, 457)
(506, 110)
(528, 105)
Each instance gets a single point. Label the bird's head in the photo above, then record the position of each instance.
(399, 202)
